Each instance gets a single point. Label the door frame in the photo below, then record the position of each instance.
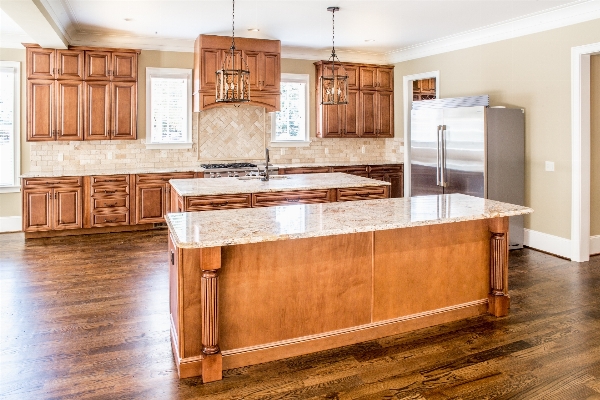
(581, 150)
(407, 81)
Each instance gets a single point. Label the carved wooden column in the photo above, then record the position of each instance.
(499, 300)
(212, 363)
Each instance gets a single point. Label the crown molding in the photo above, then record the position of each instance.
(570, 14)
(307, 53)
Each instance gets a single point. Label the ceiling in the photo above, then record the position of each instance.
(376, 30)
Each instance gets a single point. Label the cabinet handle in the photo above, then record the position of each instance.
(111, 205)
(292, 200)
(110, 191)
(219, 204)
(364, 194)
(55, 195)
(110, 220)
(172, 258)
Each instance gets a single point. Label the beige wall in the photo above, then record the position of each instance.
(10, 203)
(595, 141)
(531, 72)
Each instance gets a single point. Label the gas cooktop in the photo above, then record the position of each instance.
(228, 166)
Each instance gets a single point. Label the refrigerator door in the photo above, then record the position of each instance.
(424, 163)
(464, 150)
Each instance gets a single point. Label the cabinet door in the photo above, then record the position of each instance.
(69, 64)
(40, 116)
(98, 65)
(353, 76)
(350, 113)
(368, 78)
(69, 110)
(397, 181)
(124, 66)
(210, 62)
(331, 120)
(368, 111)
(150, 206)
(385, 79)
(97, 110)
(271, 72)
(40, 63)
(124, 108)
(67, 208)
(385, 114)
(36, 210)
(253, 59)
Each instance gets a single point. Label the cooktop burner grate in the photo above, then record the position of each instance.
(230, 165)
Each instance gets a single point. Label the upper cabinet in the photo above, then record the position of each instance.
(262, 57)
(370, 108)
(81, 93)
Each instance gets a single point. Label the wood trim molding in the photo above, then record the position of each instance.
(580, 150)
(407, 97)
(212, 360)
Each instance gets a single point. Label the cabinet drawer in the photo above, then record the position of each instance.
(110, 190)
(358, 170)
(117, 180)
(110, 202)
(110, 219)
(304, 170)
(154, 178)
(51, 182)
(222, 202)
(289, 198)
(386, 169)
(362, 193)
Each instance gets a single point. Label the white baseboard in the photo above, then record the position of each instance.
(595, 245)
(548, 243)
(11, 224)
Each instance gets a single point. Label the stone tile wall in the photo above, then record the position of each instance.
(222, 134)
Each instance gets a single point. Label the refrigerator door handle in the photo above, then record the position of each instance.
(443, 158)
(439, 147)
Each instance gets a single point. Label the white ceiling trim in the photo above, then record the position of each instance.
(556, 18)
(305, 53)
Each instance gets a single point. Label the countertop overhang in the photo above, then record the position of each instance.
(218, 186)
(254, 225)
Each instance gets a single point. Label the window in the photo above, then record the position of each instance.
(290, 125)
(168, 108)
(10, 78)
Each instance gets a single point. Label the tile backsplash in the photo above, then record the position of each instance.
(220, 134)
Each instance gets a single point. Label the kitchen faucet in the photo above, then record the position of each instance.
(266, 175)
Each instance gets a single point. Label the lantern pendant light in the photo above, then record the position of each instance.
(334, 83)
(233, 84)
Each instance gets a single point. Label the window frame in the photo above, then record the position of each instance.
(16, 187)
(158, 72)
(301, 78)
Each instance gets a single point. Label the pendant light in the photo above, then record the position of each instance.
(334, 83)
(233, 84)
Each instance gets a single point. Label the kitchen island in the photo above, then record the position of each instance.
(251, 191)
(254, 285)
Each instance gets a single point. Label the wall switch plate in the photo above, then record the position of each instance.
(550, 166)
(282, 151)
(362, 149)
(109, 155)
(60, 157)
(326, 150)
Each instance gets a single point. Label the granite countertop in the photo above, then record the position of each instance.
(217, 186)
(255, 225)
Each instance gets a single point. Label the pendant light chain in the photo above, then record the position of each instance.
(233, 25)
(334, 83)
(333, 32)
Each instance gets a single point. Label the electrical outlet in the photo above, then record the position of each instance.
(362, 149)
(60, 157)
(550, 166)
(326, 150)
(109, 155)
(282, 151)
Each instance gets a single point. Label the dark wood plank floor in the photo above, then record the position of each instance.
(87, 318)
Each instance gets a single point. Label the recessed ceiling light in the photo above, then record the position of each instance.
(253, 30)
(128, 19)
(369, 40)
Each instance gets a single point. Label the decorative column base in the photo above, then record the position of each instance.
(212, 360)
(498, 304)
(212, 368)
(499, 300)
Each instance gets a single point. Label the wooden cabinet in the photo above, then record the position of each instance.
(108, 200)
(220, 202)
(424, 89)
(262, 58)
(111, 110)
(153, 196)
(303, 170)
(81, 93)
(358, 170)
(362, 193)
(370, 108)
(51, 204)
(292, 197)
(54, 64)
(54, 110)
(390, 173)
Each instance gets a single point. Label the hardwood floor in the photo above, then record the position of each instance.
(86, 317)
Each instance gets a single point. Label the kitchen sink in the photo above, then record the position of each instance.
(247, 178)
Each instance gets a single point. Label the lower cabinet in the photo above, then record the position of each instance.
(108, 200)
(393, 174)
(52, 204)
(153, 196)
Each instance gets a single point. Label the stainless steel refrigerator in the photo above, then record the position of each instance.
(460, 145)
